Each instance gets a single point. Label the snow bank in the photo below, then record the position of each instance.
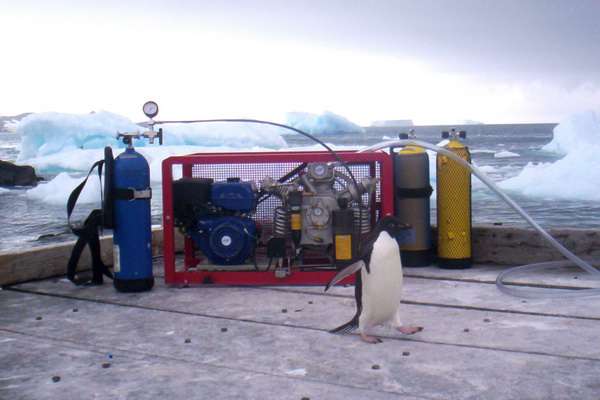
(577, 174)
(54, 134)
(57, 190)
(3, 190)
(327, 122)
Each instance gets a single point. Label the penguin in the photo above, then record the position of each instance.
(378, 285)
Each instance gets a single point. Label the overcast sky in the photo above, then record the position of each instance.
(432, 61)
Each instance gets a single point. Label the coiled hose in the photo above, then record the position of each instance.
(502, 277)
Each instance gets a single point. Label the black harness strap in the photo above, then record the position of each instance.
(87, 235)
(414, 193)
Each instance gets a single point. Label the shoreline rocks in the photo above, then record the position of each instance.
(17, 175)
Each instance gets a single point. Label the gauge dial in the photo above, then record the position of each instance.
(320, 170)
(150, 109)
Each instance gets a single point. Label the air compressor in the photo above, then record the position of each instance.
(454, 247)
(319, 216)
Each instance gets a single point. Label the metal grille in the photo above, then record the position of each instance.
(255, 167)
(256, 172)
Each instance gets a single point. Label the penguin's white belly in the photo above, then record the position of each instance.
(382, 287)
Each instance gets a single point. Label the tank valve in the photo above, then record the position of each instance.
(150, 135)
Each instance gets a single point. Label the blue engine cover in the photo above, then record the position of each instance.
(226, 240)
(234, 196)
(132, 232)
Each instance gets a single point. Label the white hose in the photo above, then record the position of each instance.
(500, 281)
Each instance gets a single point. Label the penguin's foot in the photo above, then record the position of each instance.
(370, 339)
(409, 330)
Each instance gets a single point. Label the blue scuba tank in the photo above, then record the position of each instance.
(132, 232)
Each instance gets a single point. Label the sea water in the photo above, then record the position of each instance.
(556, 181)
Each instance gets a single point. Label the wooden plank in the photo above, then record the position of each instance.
(51, 260)
(30, 362)
(498, 327)
(409, 368)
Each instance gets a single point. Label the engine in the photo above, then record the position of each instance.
(216, 216)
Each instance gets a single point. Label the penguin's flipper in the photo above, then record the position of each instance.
(347, 327)
(349, 270)
(354, 322)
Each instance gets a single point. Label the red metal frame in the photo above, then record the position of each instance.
(173, 277)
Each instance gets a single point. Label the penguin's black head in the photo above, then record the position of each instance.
(392, 225)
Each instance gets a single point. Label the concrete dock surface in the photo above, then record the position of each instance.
(58, 341)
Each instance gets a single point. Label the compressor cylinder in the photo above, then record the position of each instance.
(411, 193)
(132, 249)
(454, 249)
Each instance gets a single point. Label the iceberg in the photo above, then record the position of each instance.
(576, 175)
(325, 123)
(49, 133)
(235, 135)
(578, 132)
(55, 134)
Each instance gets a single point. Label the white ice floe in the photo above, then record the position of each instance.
(488, 169)
(57, 190)
(506, 154)
(482, 151)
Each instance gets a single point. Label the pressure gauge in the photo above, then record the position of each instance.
(320, 170)
(150, 109)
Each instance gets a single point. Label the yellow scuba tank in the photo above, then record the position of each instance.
(454, 248)
(411, 203)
